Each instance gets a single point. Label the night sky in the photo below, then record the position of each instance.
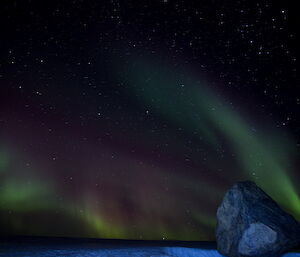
(130, 119)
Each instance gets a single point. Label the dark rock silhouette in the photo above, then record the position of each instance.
(250, 223)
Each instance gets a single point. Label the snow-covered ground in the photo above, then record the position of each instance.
(194, 252)
(38, 251)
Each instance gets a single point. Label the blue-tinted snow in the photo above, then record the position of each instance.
(121, 252)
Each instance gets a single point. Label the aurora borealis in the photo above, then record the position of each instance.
(130, 121)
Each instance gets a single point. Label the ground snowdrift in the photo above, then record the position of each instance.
(121, 252)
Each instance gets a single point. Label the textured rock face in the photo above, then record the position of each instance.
(251, 224)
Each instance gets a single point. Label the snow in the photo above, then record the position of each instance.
(37, 251)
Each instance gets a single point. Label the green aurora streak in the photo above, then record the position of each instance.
(188, 103)
(265, 157)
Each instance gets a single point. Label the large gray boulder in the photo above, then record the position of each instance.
(251, 224)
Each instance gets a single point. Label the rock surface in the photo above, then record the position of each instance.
(250, 223)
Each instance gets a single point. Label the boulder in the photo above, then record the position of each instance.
(251, 224)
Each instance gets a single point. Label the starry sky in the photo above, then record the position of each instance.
(130, 119)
